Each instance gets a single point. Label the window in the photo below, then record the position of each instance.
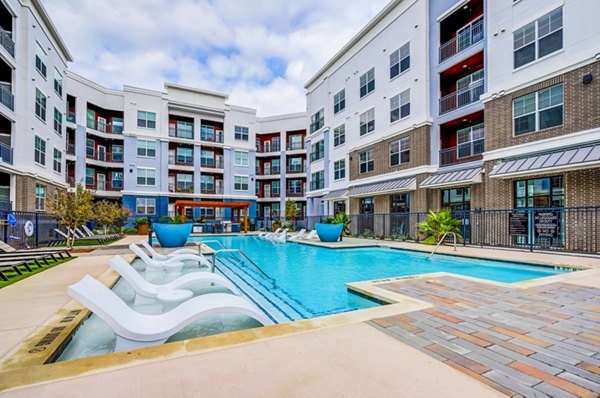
(276, 166)
(540, 192)
(275, 188)
(185, 182)
(185, 130)
(295, 164)
(400, 106)
(146, 148)
(240, 183)
(540, 110)
(339, 101)
(400, 203)
(146, 120)
(58, 83)
(400, 151)
(317, 180)
(317, 121)
(58, 121)
(40, 197)
(40, 104)
(90, 176)
(538, 38)
(90, 150)
(185, 155)
(458, 199)
(145, 206)
(40, 60)
(295, 186)
(339, 135)
(146, 177)
(241, 133)
(367, 205)
(367, 122)
(207, 158)
(317, 151)
(339, 169)
(400, 60)
(40, 151)
(57, 161)
(365, 161)
(117, 153)
(241, 159)
(367, 83)
(207, 183)
(116, 180)
(470, 141)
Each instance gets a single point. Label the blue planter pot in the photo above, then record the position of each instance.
(172, 235)
(329, 232)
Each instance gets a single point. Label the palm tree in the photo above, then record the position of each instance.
(437, 225)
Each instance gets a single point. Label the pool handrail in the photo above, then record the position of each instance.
(442, 241)
(213, 241)
(214, 261)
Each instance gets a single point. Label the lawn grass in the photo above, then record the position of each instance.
(86, 242)
(14, 277)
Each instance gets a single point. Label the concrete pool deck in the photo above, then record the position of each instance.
(343, 355)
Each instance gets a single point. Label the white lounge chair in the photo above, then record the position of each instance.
(135, 330)
(298, 234)
(311, 235)
(157, 256)
(265, 234)
(171, 266)
(147, 293)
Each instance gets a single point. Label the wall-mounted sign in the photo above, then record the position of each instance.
(546, 223)
(28, 228)
(518, 223)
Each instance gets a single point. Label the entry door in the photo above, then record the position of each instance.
(219, 187)
(267, 211)
(267, 146)
(267, 167)
(101, 186)
(102, 153)
(267, 191)
(102, 124)
(171, 183)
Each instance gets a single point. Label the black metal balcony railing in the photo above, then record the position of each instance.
(71, 116)
(268, 148)
(208, 135)
(181, 132)
(107, 157)
(181, 188)
(295, 146)
(294, 194)
(461, 98)
(462, 153)
(218, 190)
(106, 186)
(6, 154)
(6, 97)
(295, 169)
(104, 127)
(7, 42)
(174, 160)
(212, 164)
(465, 39)
(70, 149)
(269, 172)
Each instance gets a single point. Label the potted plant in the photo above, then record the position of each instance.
(276, 224)
(175, 233)
(329, 230)
(142, 224)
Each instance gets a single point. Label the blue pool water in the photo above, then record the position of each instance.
(312, 279)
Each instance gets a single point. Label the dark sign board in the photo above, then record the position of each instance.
(518, 223)
(546, 223)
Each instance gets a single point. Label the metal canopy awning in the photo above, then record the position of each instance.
(337, 194)
(561, 160)
(399, 185)
(453, 178)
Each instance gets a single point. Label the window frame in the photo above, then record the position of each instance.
(145, 177)
(40, 104)
(368, 161)
(146, 205)
(40, 200)
(366, 120)
(536, 39)
(403, 148)
(241, 133)
(146, 149)
(238, 184)
(403, 105)
(58, 122)
(339, 101)
(317, 121)
(39, 154)
(339, 169)
(146, 120)
(367, 81)
(57, 160)
(317, 177)
(58, 83)
(537, 111)
(400, 59)
(40, 58)
(318, 148)
(243, 162)
(339, 135)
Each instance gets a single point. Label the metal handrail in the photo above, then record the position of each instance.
(214, 241)
(442, 241)
(214, 261)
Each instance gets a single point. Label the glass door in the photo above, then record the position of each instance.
(267, 191)
(101, 186)
(267, 168)
(101, 153)
(102, 124)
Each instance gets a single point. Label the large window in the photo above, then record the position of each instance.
(400, 151)
(295, 186)
(367, 122)
(40, 197)
(58, 121)
(400, 60)
(317, 151)
(276, 166)
(367, 82)
(90, 176)
(339, 169)
(240, 183)
(185, 182)
(317, 180)
(40, 104)
(276, 187)
(400, 203)
(207, 183)
(57, 161)
(207, 158)
(540, 110)
(367, 205)
(40, 151)
(339, 135)
(185, 130)
(538, 38)
(58, 83)
(40, 60)
(116, 180)
(146, 120)
(400, 106)
(540, 192)
(458, 199)
(185, 155)
(470, 141)
(241, 159)
(241, 133)
(117, 153)
(295, 164)
(366, 163)
(146, 176)
(317, 121)
(146, 148)
(145, 206)
(339, 101)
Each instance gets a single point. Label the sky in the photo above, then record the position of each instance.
(260, 52)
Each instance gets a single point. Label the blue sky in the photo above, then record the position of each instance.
(261, 52)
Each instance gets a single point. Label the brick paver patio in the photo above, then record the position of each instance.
(537, 342)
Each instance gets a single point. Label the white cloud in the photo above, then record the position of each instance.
(220, 45)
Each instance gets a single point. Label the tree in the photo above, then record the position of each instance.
(108, 213)
(291, 211)
(72, 209)
(437, 225)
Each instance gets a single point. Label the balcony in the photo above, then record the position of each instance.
(174, 160)
(71, 149)
(7, 42)
(6, 97)
(212, 164)
(208, 134)
(465, 38)
(71, 116)
(108, 157)
(294, 194)
(295, 146)
(295, 169)
(6, 154)
(181, 188)
(270, 172)
(104, 127)
(218, 190)
(107, 186)
(462, 153)
(268, 148)
(462, 97)
(71, 181)
(185, 132)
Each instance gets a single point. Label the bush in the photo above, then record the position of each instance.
(437, 225)
(142, 221)
(130, 231)
(165, 220)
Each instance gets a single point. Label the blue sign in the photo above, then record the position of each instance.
(12, 221)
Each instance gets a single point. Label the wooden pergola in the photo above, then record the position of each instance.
(180, 206)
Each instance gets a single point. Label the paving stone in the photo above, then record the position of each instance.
(481, 378)
(433, 338)
(554, 380)
(528, 360)
(504, 369)
(580, 381)
(587, 347)
(553, 391)
(567, 367)
(514, 385)
(522, 337)
(460, 359)
(574, 354)
(490, 336)
(494, 356)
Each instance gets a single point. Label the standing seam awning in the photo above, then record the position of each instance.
(574, 158)
(404, 184)
(337, 194)
(451, 178)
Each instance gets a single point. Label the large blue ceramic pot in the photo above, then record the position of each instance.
(172, 235)
(329, 232)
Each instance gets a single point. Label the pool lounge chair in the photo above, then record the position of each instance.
(172, 266)
(14, 265)
(5, 247)
(157, 256)
(298, 234)
(135, 330)
(310, 236)
(197, 257)
(264, 234)
(146, 292)
(90, 234)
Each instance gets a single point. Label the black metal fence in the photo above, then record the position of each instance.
(43, 229)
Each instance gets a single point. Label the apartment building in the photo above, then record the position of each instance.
(33, 63)
(280, 165)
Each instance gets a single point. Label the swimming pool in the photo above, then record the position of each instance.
(312, 279)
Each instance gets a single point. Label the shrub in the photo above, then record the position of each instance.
(130, 231)
(437, 225)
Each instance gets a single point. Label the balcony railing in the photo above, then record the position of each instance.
(270, 172)
(70, 149)
(295, 169)
(108, 157)
(294, 194)
(295, 146)
(6, 97)
(71, 116)
(212, 164)
(208, 135)
(461, 98)
(106, 186)
(268, 148)
(71, 181)
(7, 42)
(218, 190)
(462, 153)
(175, 161)
(186, 133)
(6, 154)
(181, 188)
(466, 38)
(104, 127)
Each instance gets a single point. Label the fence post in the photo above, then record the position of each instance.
(37, 230)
